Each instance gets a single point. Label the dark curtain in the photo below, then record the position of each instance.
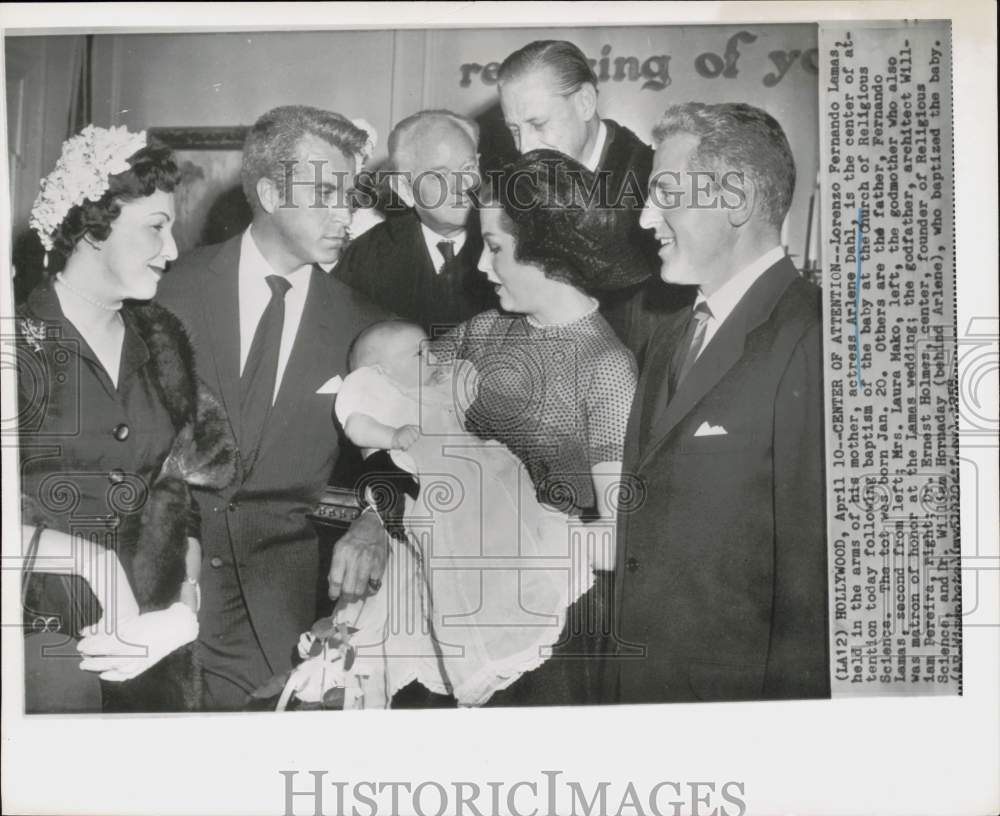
(27, 254)
(81, 101)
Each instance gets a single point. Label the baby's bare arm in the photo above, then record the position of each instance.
(367, 432)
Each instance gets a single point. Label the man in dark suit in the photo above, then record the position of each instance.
(422, 265)
(721, 587)
(270, 330)
(548, 92)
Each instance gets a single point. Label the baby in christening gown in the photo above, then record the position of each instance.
(478, 592)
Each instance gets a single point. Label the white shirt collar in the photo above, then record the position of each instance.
(594, 159)
(432, 239)
(254, 295)
(253, 262)
(726, 297)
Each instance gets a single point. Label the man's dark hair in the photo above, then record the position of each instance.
(567, 63)
(151, 168)
(560, 223)
(274, 138)
(735, 137)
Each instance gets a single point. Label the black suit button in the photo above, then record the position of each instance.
(121, 432)
(632, 564)
(116, 476)
(232, 507)
(216, 562)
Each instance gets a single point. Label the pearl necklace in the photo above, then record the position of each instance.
(63, 282)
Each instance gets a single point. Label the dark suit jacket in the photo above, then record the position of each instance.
(390, 265)
(635, 312)
(722, 567)
(258, 525)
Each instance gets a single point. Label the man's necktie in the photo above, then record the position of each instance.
(690, 345)
(261, 369)
(685, 353)
(447, 250)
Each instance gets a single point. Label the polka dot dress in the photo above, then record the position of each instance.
(557, 396)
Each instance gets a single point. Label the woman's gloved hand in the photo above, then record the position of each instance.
(138, 643)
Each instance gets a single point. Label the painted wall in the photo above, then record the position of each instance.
(144, 80)
(225, 79)
(772, 67)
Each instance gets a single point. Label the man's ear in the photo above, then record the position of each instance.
(268, 193)
(399, 183)
(585, 100)
(740, 197)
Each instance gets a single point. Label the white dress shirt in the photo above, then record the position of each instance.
(432, 239)
(594, 159)
(255, 294)
(726, 297)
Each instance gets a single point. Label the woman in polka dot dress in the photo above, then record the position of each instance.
(555, 382)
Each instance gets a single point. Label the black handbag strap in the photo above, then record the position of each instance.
(29, 563)
(77, 605)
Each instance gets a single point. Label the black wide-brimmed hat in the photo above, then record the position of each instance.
(567, 221)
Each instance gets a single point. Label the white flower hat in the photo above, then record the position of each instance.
(82, 173)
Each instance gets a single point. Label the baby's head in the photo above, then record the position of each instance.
(395, 345)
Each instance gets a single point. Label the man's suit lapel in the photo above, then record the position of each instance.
(420, 254)
(407, 264)
(221, 305)
(720, 355)
(654, 373)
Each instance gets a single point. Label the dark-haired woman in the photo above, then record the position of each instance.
(555, 382)
(112, 428)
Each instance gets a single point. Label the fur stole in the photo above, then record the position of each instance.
(204, 454)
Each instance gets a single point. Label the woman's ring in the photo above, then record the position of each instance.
(374, 584)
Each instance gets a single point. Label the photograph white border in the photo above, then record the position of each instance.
(847, 756)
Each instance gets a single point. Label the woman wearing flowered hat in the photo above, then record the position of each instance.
(113, 429)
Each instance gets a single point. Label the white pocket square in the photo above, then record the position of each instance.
(710, 430)
(332, 385)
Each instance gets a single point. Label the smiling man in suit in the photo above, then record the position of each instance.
(423, 265)
(269, 329)
(722, 570)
